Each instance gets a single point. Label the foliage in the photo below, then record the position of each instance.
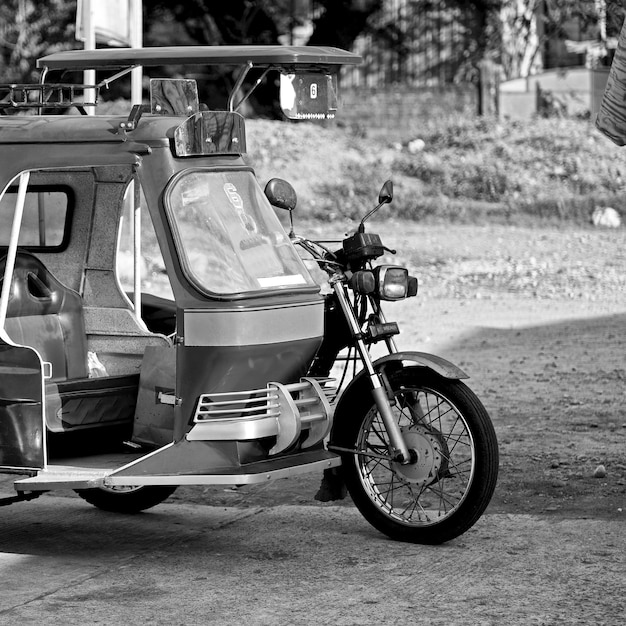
(222, 22)
(506, 31)
(512, 33)
(342, 21)
(442, 40)
(226, 22)
(556, 169)
(30, 29)
(526, 25)
(468, 170)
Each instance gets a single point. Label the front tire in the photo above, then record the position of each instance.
(450, 481)
(126, 499)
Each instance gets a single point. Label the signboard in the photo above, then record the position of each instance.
(111, 21)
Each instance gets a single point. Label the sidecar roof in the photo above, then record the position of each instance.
(330, 59)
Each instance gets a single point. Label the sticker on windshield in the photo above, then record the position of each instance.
(237, 201)
(231, 193)
(282, 281)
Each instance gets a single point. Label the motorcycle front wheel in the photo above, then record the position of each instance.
(449, 482)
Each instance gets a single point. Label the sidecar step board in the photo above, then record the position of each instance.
(72, 477)
(248, 474)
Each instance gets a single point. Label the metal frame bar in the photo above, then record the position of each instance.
(242, 76)
(12, 249)
(136, 247)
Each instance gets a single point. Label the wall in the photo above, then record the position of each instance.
(577, 90)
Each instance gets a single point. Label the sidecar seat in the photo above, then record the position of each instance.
(47, 315)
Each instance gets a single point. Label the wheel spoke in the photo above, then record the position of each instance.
(451, 474)
(413, 504)
(461, 469)
(444, 497)
(409, 496)
(378, 430)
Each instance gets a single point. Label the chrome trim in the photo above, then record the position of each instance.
(255, 403)
(243, 429)
(281, 411)
(254, 326)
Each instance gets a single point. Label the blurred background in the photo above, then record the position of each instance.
(407, 45)
(479, 109)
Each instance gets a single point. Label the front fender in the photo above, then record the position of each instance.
(433, 362)
(360, 384)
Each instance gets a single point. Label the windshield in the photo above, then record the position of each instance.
(228, 238)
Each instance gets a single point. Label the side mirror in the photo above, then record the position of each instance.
(386, 193)
(281, 194)
(384, 197)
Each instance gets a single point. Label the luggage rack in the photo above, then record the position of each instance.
(46, 96)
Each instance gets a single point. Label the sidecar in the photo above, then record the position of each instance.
(156, 323)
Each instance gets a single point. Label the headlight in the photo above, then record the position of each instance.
(394, 283)
(388, 282)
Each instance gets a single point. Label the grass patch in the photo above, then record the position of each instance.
(474, 170)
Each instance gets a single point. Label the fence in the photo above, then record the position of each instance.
(402, 110)
(412, 42)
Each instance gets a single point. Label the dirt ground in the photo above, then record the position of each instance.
(536, 317)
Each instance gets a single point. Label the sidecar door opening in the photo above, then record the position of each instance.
(62, 308)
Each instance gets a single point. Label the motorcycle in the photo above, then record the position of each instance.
(419, 451)
(203, 352)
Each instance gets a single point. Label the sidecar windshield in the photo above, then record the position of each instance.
(228, 238)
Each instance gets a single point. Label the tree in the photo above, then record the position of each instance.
(30, 29)
(225, 22)
(520, 45)
(433, 40)
(528, 25)
(342, 21)
(213, 22)
(209, 22)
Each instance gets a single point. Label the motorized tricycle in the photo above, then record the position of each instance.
(159, 326)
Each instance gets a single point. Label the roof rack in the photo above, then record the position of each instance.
(48, 96)
(52, 95)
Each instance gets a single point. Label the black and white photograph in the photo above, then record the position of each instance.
(312, 312)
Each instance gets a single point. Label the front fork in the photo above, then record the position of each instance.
(400, 450)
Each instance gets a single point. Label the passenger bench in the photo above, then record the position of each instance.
(44, 314)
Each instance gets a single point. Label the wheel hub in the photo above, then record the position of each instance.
(425, 448)
(120, 488)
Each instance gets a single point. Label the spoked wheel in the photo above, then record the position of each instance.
(453, 471)
(127, 499)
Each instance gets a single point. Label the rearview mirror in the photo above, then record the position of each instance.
(281, 194)
(308, 96)
(386, 193)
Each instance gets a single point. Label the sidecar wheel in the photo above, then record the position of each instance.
(126, 499)
(447, 487)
